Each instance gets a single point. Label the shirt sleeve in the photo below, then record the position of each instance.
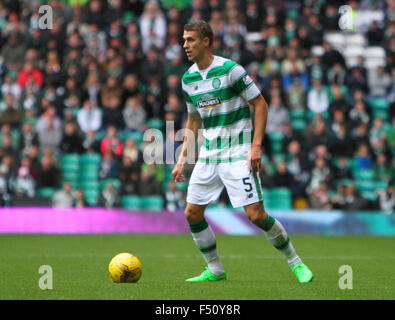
(242, 83)
(190, 106)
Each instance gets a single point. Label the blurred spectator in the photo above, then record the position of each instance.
(282, 178)
(64, 198)
(363, 159)
(317, 98)
(108, 166)
(387, 199)
(148, 185)
(295, 96)
(134, 114)
(79, 199)
(24, 182)
(89, 117)
(90, 143)
(30, 75)
(318, 198)
(48, 174)
(342, 169)
(109, 197)
(11, 114)
(379, 82)
(277, 115)
(13, 52)
(71, 141)
(174, 197)
(153, 26)
(111, 142)
(10, 87)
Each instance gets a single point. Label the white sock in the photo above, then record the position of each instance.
(279, 238)
(205, 240)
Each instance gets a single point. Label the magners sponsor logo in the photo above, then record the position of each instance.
(208, 101)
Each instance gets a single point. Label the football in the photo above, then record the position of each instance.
(125, 267)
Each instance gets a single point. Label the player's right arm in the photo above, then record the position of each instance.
(194, 123)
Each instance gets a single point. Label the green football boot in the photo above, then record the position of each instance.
(302, 273)
(207, 275)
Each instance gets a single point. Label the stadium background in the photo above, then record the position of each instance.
(66, 179)
(76, 100)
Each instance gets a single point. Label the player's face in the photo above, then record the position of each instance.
(194, 46)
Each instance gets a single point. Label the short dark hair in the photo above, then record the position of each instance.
(202, 28)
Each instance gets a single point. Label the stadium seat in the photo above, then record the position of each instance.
(353, 51)
(89, 185)
(364, 174)
(355, 40)
(336, 39)
(91, 196)
(297, 114)
(182, 186)
(298, 124)
(91, 158)
(46, 192)
(276, 142)
(155, 123)
(131, 202)
(374, 52)
(137, 136)
(154, 203)
(115, 182)
(70, 158)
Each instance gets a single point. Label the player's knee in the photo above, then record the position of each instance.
(257, 215)
(193, 215)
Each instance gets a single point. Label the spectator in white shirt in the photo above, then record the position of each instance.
(153, 26)
(317, 98)
(89, 117)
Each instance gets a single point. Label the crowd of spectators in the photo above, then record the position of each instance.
(109, 67)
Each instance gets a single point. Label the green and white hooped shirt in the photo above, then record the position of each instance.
(221, 94)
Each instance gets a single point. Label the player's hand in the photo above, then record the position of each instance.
(177, 172)
(255, 159)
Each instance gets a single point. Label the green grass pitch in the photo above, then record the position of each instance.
(255, 269)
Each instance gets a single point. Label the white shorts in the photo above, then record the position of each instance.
(208, 180)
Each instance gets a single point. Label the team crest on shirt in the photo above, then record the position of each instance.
(247, 79)
(208, 101)
(216, 83)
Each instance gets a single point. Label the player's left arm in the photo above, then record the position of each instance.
(260, 119)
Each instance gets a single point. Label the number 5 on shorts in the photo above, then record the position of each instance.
(247, 184)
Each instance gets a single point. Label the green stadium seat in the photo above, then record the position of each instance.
(155, 203)
(182, 186)
(137, 136)
(298, 124)
(364, 174)
(296, 114)
(91, 196)
(71, 176)
(154, 123)
(276, 142)
(131, 202)
(366, 185)
(70, 158)
(90, 185)
(91, 158)
(115, 182)
(370, 195)
(379, 103)
(46, 192)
